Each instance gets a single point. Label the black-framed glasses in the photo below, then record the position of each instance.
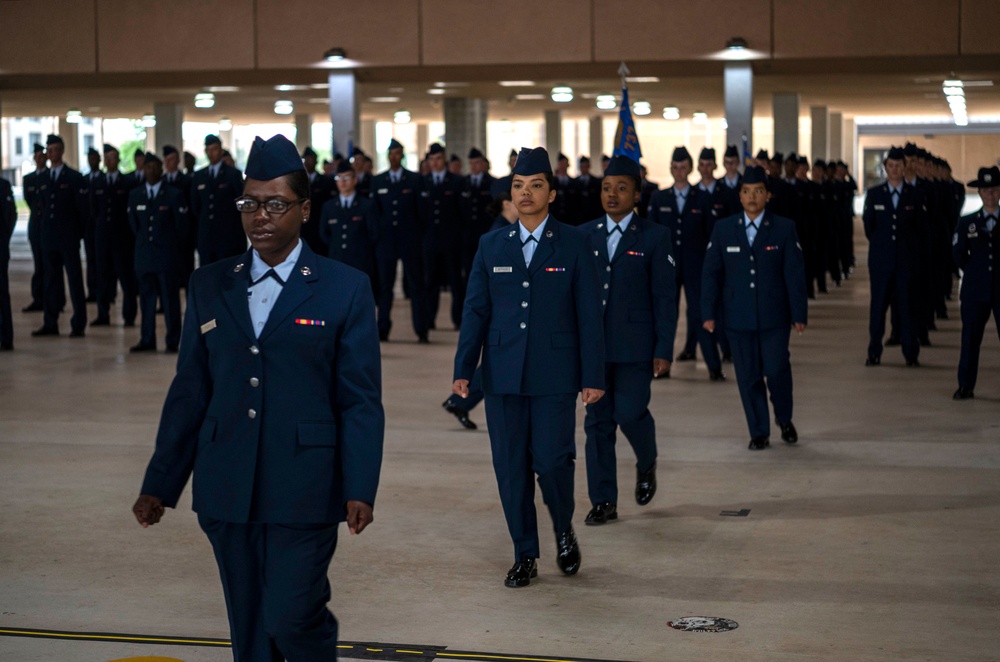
(275, 206)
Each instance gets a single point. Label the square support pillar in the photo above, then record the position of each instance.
(344, 116)
(169, 123)
(820, 117)
(786, 122)
(836, 136)
(464, 125)
(738, 90)
(596, 142)
(553, 134)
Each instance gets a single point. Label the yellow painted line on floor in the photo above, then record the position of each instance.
(116, 637)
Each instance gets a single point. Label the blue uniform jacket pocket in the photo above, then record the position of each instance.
(317, 434)
(564, 340)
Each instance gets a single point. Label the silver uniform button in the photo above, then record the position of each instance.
(524, 304)
(753, 284)
(254, 382)
(605, 286)
(254, 350)
(252, 413)
(524, 284)
(524, 325)
(609, 268)
(753, 271)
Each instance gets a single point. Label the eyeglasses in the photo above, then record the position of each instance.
(343, 178)
(275, 206)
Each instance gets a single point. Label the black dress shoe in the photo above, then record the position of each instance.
(759, 443)
(716, 375)
(645, 486)
(873, 361)
(92, 299)
(6, 347)
(101, 321)
(925, 342)
(963, 394)
(77, 333)
(142, 347)
(892, 341)
(685, 356)
(727, 357)
(45, 331)
(521, 573)
(171, 349)
(129, 324)
(383, 336)
(33, 308)
(423, 340)
(912, 363)
(568, 557)
(601, 513)
(461, 414)
(788, 432)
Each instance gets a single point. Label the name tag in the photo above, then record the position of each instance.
(503, 270)
(879, 207)
(972, 235)
(732, 249)
(201, 186)
(208, 326)
(140, 207)
(383, 191)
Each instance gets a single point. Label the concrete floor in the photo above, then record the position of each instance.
(875, 538)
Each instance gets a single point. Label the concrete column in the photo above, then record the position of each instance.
(229, 142)
(786, 122)
(464, 125)
(596, 143)
(169, 121)
(738, 89)
(303, 131)
(423, 140)
(344, 114)
(70, 133)
(553, 134)
(366, 139)
(820, 148)
(836, 136)
(849, 145)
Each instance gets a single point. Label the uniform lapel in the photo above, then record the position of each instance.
(741, 234)
(545, 248)
(628, 241)
(234, 293)
(601, 241)
(513, 248)
(294, 293)
(763, 232)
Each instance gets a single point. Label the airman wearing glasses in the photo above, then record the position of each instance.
(276, 411)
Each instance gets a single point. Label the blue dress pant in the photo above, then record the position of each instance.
(705, 340)
(892, 288)
(274, 577)
(6, 317)
(388, 253)
(55, 261)
(164, 285)
(625, 405)
(975, 315)
(533, 436)
(762, 364)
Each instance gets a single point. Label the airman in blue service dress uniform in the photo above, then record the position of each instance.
(173, 177)
(158, 216)
(115, 243)
(640, 320)
(348, 225)
(477, 198)
(396, 194)
(64, 214)
(213, 189)
(321, 189)
(895, 223)
(976, 249)
(441, 208)
(8, 218)
(276, 408)
(96, 209)
(684, 210)
(533, 312)
(587, 192)
(32, 185)
(755, 273)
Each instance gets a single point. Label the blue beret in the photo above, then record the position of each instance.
(681, 154)
(436, 148)
(532, 162)
(622, 166)
(731, 152)
(309, 151)
(475, 154)
(395, 144)
(755, 175)
(151, 157)
(272, 158)
(212, 139)
(707, 154)
(41, 148)
(169, 149)
(896, 153)
(53, 139)
(110, 148)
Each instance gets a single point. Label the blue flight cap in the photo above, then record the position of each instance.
(138, 153)
(792, 156)
(436, 148)
(272, 158)
(820, 163)
(53, 139)
(762, 155)
(731, 152)
(475, 154)
(309, 151)
(803, 160)
(532, 162)
(681, 154)
(777, 158)
(584, 159)
(909, 149)
(755, 175)
(151, 157)
(896, 153)
(622, 166)
(395, 144)
(707, 154)
(169, 149)
(108, 148)
(93, 152)
(212, 139)
(40, 148)
(344, 166)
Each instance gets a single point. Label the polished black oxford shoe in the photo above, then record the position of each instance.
(685, 356)
(77, 333)
(963, 394)
(142, 347)
(788, 432)
(45, 331)
(645, 486)
(759, 443)
(568, 558)
(461, 414)
(717, 376)
(101, 321)
(602, 513)
(872, 361)
(33, 308)
(521, 573)
(912, 363)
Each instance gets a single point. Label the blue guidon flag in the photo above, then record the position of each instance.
(626, 139)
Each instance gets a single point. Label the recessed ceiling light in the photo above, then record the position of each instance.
(516, 83)
(562, 94)
(73, 116)
(320, 86)
(607, 102)
(450, 84)
(148, 121)
(384, 99)
(335, 54)
(671, 113)
(204, 100)
(978, 83)
(699, 117)
(436, 90)
(401, 117)
(642, 108)
(283, 107)
(318, 100)
(396, 90)
(529, 97)
(222, 88)
(291, 88)
(642, 79)
(225, 124)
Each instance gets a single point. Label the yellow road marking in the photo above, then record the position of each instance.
(117, 637)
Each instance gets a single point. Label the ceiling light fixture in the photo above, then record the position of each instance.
(562, 94)
(148, 121)
(642, 79)
(73, 116)
(204, 100)
(737, 44)
(529, 97)
(384, 99)
(437, 91)
(225, 124)
(699, 117)
(283, 107)
(671, 113)
(642, 108)
(401, 117)
(607, 102)
(516, 83)
(335, 54)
